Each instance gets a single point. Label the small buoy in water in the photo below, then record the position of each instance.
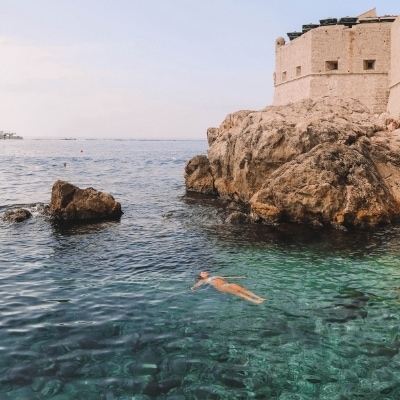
(65, 164)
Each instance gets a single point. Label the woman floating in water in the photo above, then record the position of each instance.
(222, 285)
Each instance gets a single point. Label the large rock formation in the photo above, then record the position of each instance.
(69, 203)
(325, 161)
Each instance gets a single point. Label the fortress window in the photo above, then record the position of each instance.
(331, 66)
(284, 76)
(298, 71)
(369, 64)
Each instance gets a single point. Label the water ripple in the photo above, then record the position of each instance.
(105, 311)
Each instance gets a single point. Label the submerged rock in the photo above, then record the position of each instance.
(324, 161)
(70, 203)
(17, 215)
(237, 218)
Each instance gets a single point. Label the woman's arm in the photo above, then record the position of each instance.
(199, 283)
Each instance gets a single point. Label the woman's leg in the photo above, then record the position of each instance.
(240, 291)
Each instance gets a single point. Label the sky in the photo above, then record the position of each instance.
(145, 69)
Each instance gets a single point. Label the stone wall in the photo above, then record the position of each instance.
(372, 92)
(394, 99)
(295, 90)
(338, 61)
(292, 84)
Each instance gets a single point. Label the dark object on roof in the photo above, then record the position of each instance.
(308, 27)
(387, 18)
(328, 21)
(348, 21)
(294, 35)
(368, 20)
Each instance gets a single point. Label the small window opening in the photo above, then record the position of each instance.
(298, 71)
(369, 64)
(284, 76)
(331, 65)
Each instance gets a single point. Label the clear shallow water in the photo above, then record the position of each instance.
(105, 311)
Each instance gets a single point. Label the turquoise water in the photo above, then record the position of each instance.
(104, 311)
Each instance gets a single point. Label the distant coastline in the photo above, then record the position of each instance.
(9, 135)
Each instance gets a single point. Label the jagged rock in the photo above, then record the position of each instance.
(324, 161)
(70, 203)
(17, 215)
(232, 206)
(198, 175)
(237, 218)
(332, 183)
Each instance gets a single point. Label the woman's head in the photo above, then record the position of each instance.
(203, 275)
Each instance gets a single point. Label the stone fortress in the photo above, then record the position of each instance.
(326, 153)
(350, 58)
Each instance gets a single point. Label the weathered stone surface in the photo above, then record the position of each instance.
(70, 203)
(237, 218)
(198, 175)
(17, 215)
(330, 184)
(325, 161)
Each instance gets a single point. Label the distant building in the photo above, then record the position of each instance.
(350, 58)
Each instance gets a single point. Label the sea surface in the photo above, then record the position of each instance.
(105, 311)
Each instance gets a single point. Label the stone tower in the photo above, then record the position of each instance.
(350, 58)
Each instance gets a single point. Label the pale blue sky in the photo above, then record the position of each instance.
(145, 69)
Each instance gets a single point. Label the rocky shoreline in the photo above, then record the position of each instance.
(322, 162)
(69, 203)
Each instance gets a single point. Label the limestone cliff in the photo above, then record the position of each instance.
(324, 161)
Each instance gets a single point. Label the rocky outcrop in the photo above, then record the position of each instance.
(70, 203)
(325, 161)
(237, 218)
(198, 175)
(17, 215)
